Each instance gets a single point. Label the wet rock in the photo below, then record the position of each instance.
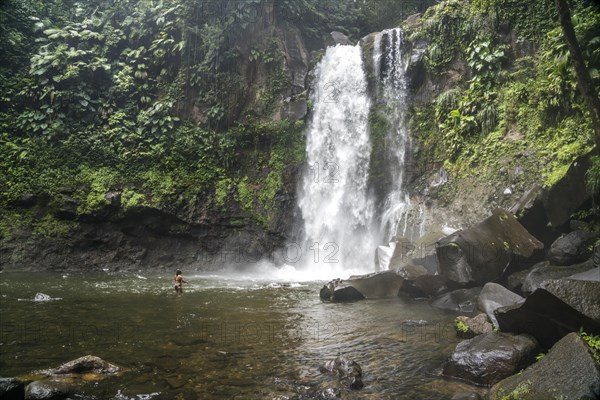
(571, 248)
(491, 357)
(589, 275)
(514, 282)
(42, 297)
(429, 285)
(543, 271)
(568, 371)
(477, 325)
(11, 389)
(47, 390)
(336, 38)
(348, 371)
(462, 300)
(378, 284)
(494, 296)
(325, 293)
(347, 294)
(482, 253)
(545, 317)
(430, 262)
(466, 396)
(85, 365)
(584, 296)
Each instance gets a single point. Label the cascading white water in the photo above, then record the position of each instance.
(390, 68)
(337, 210)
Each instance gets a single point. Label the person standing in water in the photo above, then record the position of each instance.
(179, 281)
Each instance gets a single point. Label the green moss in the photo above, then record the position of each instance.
(222, 189)
(130, 199)
(520, 391)
(460, 326)
(593, 341)
(51, 227)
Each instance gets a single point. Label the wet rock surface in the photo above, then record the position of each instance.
(568, 371)
(461, 300)
(11, 389)
(584, 296)
(544, 271)
(482, 253)
(47, 390)
(491, 357)
(572, 248)
(84, 365)
(477, 325)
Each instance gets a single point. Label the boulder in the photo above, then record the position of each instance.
(47, 390)
(424, 286)
(491, 357)
(572, 248)
(494, 296)
(514, 282)
(347, 294)
(380, 284)
(84, 365)
(468, 328)
(336, 38)
(461, 300)
(545, 317)
(584, 296)
(325, 293)
(568, 372)
(543, 271)
(482, 253)
(348, 371)
(11, 389)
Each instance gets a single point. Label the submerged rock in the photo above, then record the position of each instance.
(11, 389)
(491, 357)
(545, 317)
(494, 296)
(461, 300)
(348, 371)
(85, 365)
(568, 371)
(482, 253)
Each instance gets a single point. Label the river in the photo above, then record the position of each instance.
(226, 337)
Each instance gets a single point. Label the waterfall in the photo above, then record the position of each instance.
(334, 200)
(392, 93)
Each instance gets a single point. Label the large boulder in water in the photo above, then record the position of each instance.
(348, 371)
(482, 253)
(491, 357)
(568, 371)
(347, 294)
(11, 389)
(572, 248)
(545, 317)
(494, 296)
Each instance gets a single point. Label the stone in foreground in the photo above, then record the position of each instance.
(491, 357)
(11, 389)
(85, 365)
(494, 296)
(567, 372)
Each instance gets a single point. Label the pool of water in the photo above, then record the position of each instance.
(223, 338)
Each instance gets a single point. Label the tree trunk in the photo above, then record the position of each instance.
(584, 81)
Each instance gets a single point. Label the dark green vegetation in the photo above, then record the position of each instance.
(166, 102)
(508, 92)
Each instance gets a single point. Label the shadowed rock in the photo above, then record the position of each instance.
(543, 271)
(491, 357)
(568, 371)
(347, 294)
(482, 253)
(584, 296)
(11, 389)
(47, 390)
(545, 317)
(571, 248)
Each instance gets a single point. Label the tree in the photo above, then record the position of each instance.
(585, 84)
